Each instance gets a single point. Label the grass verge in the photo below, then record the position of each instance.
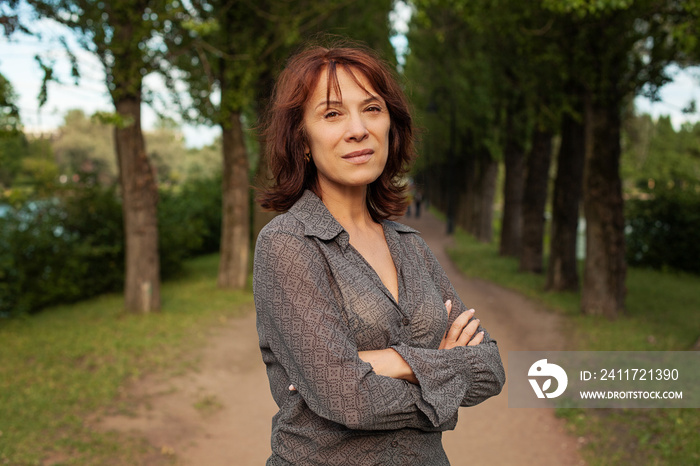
(67, 362)
(661, 315)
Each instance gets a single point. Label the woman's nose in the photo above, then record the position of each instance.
(357, 129)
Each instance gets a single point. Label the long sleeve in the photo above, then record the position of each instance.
(299, 319)
(462, 376)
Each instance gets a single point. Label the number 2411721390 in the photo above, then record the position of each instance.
(638, 374)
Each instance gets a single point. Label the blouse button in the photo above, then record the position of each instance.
(394, 444)
(406, 321)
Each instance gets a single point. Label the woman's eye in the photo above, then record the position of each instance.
(331, 114)
(374, 108)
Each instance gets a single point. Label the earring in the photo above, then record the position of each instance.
(307, 157)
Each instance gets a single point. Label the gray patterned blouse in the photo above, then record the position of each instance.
(318, 303)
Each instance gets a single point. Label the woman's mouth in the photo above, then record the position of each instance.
(359, 156)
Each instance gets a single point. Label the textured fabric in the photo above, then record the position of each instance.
(318, 303)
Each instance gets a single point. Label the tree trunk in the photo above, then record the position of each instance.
(562, 273)
(464, 189)
(513, 190)
(484, 194)
(534, 200)
(603, 290)
(434, 181)
(235, 228)
(140, 199)
(439, 198)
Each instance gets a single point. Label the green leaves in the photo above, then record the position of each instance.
(10, 123)
(113, 118)
(48, 76)
(586, 7)
(202, 28)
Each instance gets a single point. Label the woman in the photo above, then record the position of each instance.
(353, 309)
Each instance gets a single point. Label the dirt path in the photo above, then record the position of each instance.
(220, 415)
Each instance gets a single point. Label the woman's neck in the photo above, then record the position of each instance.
(348, 206)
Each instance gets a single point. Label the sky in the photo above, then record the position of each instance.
(675, 97)
(18, 65)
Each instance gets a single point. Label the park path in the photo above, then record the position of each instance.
(220, 414)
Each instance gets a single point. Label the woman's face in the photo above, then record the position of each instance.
(348, 139)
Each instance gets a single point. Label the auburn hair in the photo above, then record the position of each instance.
(285, 137)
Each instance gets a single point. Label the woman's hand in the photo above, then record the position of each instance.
(461, 331)
(389, 363)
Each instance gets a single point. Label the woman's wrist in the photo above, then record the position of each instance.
(389, 363)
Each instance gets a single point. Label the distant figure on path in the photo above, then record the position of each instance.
(369, 351)
(418, 199)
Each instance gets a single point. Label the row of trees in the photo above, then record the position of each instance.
(226, 53)
(492, 82)
(507, 77)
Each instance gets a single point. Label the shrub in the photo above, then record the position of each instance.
(664, 231)
(70, 246)
(60, 249)
(189, 223)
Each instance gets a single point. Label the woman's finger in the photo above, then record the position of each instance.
(468, 332)
(458, 325)
(477, 339)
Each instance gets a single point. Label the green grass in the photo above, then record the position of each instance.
(661, 307)
(68, 362)
(476, 259)
(662, 314)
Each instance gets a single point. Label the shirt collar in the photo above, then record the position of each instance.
(319, 222)
(315, 217)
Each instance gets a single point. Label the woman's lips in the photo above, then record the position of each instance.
(359, 156)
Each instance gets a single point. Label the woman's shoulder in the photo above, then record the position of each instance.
(283, 224)
(283, 237)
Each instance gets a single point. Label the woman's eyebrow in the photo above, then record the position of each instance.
(328, 103)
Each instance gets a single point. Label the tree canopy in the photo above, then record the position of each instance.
(494, 84)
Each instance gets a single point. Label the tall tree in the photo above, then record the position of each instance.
(536, 73)
(123, 34)
(514, 183)
(626, 47)
(618, 48)
(220, 48)
(239, 47)
(562, 273)
(455, 97)
(534, 200)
